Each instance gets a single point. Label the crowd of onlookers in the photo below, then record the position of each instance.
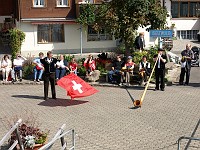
(120, 73)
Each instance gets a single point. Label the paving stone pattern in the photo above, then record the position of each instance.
(105, 122)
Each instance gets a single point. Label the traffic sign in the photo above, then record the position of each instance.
(161, 33)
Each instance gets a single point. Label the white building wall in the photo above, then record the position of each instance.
(182, 23)
(71, 45)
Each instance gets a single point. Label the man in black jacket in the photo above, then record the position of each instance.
(187, 56)
(140, 42)
(160, 69)
(49, 64)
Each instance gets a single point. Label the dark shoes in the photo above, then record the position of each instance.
(158, 89)
(45, 98)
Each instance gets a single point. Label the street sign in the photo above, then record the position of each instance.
(161, 33)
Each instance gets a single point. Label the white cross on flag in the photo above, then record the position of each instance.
(75, 86)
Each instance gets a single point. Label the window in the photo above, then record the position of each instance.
(194, 9)
(38, 3)
(62, 3)
(185, 9)
(49, 33)
(187, 34)
(90, 1)
(175, 8)
(98, 35)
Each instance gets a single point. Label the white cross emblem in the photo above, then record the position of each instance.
(77, 87)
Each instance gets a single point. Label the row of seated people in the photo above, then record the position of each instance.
(62, 67)
(12, 71)
(9, 68)
(124, 69)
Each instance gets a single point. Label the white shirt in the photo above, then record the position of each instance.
(18, 62)
(61, 64)
(37, 61)
(144, 63)
(183, 64)
(7, 63)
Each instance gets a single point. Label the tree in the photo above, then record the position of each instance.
(124, 17)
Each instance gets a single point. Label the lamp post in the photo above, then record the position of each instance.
(81, 39)
(81, 29)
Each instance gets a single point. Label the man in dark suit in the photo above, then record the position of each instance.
(140, 42)
(49, 64)
(160, 69)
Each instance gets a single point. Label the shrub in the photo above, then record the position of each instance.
(82, 71)
(16, 39)
(27, 71)
(68, 57)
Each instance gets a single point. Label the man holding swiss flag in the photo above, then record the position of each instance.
(76, 87)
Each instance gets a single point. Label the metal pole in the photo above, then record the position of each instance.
(81, 39)
(19, 139)
(73, 139)
(160, 42)
(63, 143)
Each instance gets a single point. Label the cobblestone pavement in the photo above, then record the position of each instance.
(105, 122)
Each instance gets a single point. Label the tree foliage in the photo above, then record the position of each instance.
(124, 17)
(16, 39)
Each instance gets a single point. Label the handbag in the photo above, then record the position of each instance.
(38, 67)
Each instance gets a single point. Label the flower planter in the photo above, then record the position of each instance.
(36, 147)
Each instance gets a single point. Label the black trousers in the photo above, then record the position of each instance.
(160, 75)
(182, 75)
(49, 77)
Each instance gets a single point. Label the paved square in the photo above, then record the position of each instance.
(104, 121)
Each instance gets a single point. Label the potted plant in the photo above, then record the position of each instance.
(32, 137)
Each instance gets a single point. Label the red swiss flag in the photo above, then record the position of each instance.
(75, 86)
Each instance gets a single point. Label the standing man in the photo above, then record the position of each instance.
(140, 42)
(49, 64)
(187, 56)
(160, 69)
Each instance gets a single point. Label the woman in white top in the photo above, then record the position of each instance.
(6, 66)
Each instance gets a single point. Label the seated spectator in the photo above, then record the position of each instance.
(144, 69)
(89, 64)
(38, 69)
(17, 68)
(61, 67)
(116, 68)
(127, 70)
(6, 66)
(73, 66)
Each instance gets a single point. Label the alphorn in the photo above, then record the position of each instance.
(138, 103)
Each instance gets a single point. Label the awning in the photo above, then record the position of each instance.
(53, 22)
